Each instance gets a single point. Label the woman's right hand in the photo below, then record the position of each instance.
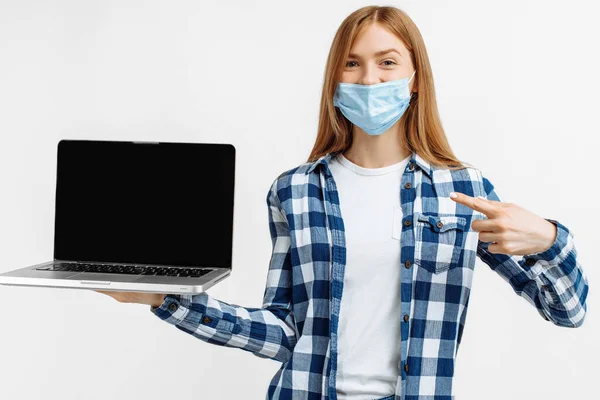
(153, 299)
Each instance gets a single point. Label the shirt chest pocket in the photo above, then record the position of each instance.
(439, 241)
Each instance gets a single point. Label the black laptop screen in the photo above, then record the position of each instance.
(164, 203)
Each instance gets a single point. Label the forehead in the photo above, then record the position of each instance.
(375, 37)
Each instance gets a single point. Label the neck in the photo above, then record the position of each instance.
(376, 151)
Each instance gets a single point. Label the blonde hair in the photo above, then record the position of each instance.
(421, 121)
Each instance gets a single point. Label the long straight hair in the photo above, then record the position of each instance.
(421, 121)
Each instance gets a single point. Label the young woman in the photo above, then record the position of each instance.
(369, 279)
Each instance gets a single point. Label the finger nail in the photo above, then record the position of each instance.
(453, 195)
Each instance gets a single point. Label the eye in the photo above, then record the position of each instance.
(387, 65)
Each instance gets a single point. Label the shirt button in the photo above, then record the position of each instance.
(407, 222)
(530, 262)
(406, 367)
(407, 263)
(405, 317)
(439, 224)
(411, 166)
(408, 185)
(206, 320)
(173, 307)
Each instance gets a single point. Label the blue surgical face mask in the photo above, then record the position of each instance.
(374, 108)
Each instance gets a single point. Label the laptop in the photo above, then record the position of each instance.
(153, 217)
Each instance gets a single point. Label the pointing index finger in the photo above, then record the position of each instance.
(480, 204)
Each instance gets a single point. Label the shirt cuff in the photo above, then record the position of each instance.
(174, 308)
(198, 313)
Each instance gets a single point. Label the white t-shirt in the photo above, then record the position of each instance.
(369, 320)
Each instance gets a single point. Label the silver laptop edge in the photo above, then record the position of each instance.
(30, 276)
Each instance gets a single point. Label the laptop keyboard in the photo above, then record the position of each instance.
(127, 269)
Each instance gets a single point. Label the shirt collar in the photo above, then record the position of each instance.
(414, 158)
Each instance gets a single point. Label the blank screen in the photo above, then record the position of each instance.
(163, 203)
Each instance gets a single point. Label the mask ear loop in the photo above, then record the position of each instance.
(412, 94)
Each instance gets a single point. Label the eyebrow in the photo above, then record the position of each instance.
(379, 53)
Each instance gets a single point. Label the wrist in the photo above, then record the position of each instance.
(553, 232)
(160, 299)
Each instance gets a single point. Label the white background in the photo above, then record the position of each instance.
(517, 84)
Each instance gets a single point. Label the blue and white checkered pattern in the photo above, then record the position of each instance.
(298, 322)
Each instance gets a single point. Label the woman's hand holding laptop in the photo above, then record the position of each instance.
(153, 299)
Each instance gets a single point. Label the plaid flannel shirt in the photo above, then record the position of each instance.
(297, 324)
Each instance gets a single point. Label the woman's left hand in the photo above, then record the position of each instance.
(510, 228)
